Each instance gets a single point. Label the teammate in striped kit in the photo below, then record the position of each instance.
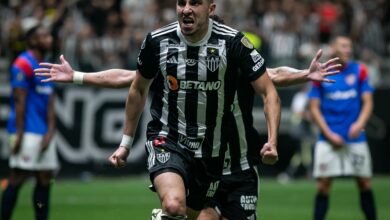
(31, 127)
(341, 111)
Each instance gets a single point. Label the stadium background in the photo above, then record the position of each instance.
(100, 34)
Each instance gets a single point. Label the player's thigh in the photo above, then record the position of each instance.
(327, 160)
(170, 186)
(358, 160)
(18, 176)
(44, 177)
(209, 214)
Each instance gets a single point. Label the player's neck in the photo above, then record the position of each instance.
(37, 54)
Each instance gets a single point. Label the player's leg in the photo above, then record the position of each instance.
(327, 163)
(359, 163)
(321, 202)
(9, 197)
(171, 191)
(209, 214)
(41, 194)
(367, 201)
(168, 172)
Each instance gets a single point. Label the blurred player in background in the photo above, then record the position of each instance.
(341, 111)
(31, 127)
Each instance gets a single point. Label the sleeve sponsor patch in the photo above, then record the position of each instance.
(245, 41)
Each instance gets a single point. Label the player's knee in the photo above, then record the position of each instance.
(364, 184)
(44, 178)
(324, 185)
(174, 206)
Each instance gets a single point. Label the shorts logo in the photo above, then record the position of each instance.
(248, 202)
(212, 59)
(212, 189)
(163, 157)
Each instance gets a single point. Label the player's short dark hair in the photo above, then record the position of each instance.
(335, 37)
(30, 33)
(217, 19)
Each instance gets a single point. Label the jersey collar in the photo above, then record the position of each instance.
(199, 43)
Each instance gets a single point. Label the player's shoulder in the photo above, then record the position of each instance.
(164, 30)
(23, 62)
(224, 30)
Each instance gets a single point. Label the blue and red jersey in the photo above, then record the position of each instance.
(341, 101)
(38, 93)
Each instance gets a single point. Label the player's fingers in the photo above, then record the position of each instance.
(333, 67)
(47, 80)
(318, 55)
(62, 59)
(331, 61)
(42, 70)
(47, 65)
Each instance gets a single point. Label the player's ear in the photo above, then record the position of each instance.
(212, 9)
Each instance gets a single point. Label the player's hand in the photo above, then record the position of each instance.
(17, 145)
(119, 157)
(56, 72)
(355, 130)
(269, 154)
(319, 71)
(336, 140)
(45, 143)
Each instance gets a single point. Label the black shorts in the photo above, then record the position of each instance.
(201, 176)
(237, 196)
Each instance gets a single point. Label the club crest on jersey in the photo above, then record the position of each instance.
(212, 59)
(350, 79)
(163, 157)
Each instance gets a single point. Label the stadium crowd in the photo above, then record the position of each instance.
(107, 33)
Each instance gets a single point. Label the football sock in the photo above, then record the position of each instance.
(41, 201)
(367, 204)
(8, 201)
(321, 206)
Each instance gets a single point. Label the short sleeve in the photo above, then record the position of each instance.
(147, 59)
(315, 91)
(363, 80)
(250, 61)
(21, 72)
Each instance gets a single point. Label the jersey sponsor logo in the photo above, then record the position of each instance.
(212, 189)
(212, 59)
(350, 79)
(245, 41)
(256, 56)
(163, 157)
(248, 202)
(342, 95)
(258, 65)
(190, 143)
(175, 84)
(46, 90)
(191, 62)
(20, 76)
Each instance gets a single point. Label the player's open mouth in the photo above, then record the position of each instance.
(188, 22)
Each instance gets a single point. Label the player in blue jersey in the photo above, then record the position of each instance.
(31, 127)
(341, 111)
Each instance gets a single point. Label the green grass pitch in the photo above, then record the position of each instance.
(129, 198)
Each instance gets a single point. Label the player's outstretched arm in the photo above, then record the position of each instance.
(64, 73)
(265, 88)
(287, 76)
(137, 96)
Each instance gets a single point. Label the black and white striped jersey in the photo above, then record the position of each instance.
(195, 90)
(243, 146)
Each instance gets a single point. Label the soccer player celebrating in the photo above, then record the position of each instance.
(31, 127)
(341, 111)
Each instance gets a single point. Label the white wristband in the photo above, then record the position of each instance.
(78, 77)
(127, 142)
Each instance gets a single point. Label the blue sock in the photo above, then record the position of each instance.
(321, 206)
(8, 201)
(41, 201)
(367, 204)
